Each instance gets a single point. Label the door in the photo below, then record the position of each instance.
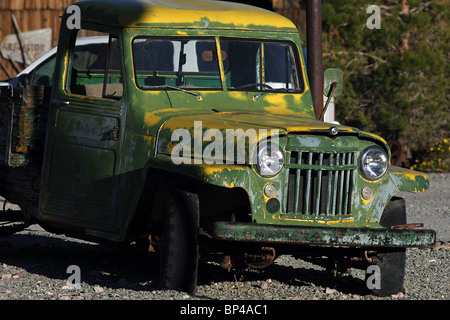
(83, 144)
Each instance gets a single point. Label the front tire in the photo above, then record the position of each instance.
(179, 242)
(392, 262)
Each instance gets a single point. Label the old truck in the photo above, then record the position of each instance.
(194, 134)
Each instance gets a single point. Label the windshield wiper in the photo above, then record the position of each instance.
(256, 96)
(198, 95)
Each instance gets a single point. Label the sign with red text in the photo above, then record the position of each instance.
(35, 43)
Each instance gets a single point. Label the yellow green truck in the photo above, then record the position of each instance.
(194, 133)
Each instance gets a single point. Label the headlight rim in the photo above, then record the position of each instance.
(259, 148)
(361, 163)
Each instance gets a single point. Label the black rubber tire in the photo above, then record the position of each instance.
(179, 242)
(392, 263)
(394, 213)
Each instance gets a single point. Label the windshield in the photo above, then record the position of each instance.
(248, 65)
(255, 65)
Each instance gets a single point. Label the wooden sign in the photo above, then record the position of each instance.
(35, 43)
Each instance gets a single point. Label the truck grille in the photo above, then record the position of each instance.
(319, 183)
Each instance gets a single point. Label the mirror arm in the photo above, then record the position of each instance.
(330, 95)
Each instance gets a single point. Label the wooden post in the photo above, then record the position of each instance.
(314, 56)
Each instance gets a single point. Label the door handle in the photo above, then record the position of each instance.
(60, 102)
(112, 135)
(115, 134)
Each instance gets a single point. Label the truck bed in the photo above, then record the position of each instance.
(23, 120)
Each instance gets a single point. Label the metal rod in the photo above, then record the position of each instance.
(19, 39)
(330, 95)
(297, 183)
(308, 186)
(335, 186)
(318, 186)
(14, 65)
(329, 187)
(287, 173)
(347, 184)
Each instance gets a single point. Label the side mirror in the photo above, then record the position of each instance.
(333, 82)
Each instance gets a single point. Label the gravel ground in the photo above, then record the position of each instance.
(34, 263)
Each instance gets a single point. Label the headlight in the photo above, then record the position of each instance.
(373, 163)
(269, 159)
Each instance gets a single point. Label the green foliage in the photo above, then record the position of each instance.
(396, 77)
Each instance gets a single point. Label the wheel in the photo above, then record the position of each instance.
(392, 262)
(179, 242)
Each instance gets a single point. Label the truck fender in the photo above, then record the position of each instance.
(397, 180)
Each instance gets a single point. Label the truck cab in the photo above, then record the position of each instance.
(196, 133)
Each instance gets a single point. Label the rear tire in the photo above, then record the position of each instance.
(392, 263)
(179, 242)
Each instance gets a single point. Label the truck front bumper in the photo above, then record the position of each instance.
(325, 236)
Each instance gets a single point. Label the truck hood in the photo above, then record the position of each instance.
(203, 129)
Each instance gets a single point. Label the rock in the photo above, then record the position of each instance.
(330, 291)
(98, 289)
(264, 285)
(441, 245)
(398, 295)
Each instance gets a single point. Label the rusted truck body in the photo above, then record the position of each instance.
(194, 133)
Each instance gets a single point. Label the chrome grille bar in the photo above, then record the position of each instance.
(319, 183)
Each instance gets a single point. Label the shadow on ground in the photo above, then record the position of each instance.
(128, 268)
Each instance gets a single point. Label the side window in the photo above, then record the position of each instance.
(95, 67)
(113, 87)
(43, 75)
(280, 66)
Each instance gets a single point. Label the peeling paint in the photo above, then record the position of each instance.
(409, 180)
(184, 14)
(354, 237)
